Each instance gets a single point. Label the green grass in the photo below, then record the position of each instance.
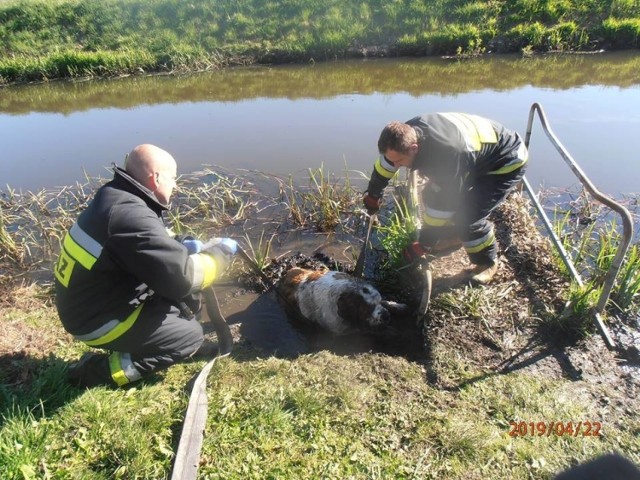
(73, 38)
(317, 416)
(323, 415)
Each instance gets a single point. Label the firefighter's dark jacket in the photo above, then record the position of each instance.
(455, 149)
(117, 250)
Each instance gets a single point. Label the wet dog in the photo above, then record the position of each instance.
(336, 301)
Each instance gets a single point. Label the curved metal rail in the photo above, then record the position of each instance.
(627, 223)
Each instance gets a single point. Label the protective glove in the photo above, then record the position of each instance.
(227, 245)
(371, 203)
(193, 245)
(222, 250)
(415, 251)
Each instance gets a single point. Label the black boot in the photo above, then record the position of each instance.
(91, 370)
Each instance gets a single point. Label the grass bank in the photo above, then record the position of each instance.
(73, 38)
(504, 362)
(321, 415)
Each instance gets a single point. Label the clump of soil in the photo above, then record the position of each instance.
(277, 268)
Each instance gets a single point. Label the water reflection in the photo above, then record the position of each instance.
(287, 119)
(329, 79)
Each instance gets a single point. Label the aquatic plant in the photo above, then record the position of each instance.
(398, 233)
(260, 253)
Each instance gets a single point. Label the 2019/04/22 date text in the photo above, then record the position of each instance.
(559, 429)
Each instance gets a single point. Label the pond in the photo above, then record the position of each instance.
(286, 119)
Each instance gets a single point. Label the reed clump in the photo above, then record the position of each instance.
(591, 236)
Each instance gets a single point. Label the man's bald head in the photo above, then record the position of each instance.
(154, 168)
(145, 160)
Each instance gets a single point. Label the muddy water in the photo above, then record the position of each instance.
(287, 119)
(261, 321)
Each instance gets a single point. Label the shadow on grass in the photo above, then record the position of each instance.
(37, 385)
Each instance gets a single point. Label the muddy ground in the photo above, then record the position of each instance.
(519, 322)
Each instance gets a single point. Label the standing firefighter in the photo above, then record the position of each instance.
(123, 284)
(471, 163)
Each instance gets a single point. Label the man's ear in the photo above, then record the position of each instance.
(153, 181)
(413, 148)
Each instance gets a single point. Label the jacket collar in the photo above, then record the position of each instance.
(125, 181)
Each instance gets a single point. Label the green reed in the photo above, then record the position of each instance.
(591, 242)
(260, 252)
(289, 196)
(398, 233)
(627, 292)
(327, 203)
(329, 199)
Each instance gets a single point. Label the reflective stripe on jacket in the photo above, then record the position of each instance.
(454, 150)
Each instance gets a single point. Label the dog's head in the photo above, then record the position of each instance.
(361, 305)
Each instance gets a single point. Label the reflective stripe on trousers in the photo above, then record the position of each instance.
(110, 330)
(122, 369)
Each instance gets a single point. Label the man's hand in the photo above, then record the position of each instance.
(371, 203)
(222, 250)
(414, 252)
(225, 246)
(193, 245)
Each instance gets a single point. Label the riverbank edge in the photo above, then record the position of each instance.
(372, 52)
(95, 52)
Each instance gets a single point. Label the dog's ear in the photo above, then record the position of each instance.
(353, 308)
(288, 284)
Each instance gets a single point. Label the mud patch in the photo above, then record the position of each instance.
(261, 318)
(513, 324)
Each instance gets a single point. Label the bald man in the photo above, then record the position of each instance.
(124, 285)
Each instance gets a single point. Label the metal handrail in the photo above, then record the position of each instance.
(627, 223)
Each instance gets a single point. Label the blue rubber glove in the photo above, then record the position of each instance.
(193, 245)
(227, 246)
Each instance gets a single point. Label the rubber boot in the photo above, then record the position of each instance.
(483, 274)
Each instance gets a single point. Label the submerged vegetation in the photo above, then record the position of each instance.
(81, 38)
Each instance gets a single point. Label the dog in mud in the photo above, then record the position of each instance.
(336, 301)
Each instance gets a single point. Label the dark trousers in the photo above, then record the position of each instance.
(160, 337)
(470, 222)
